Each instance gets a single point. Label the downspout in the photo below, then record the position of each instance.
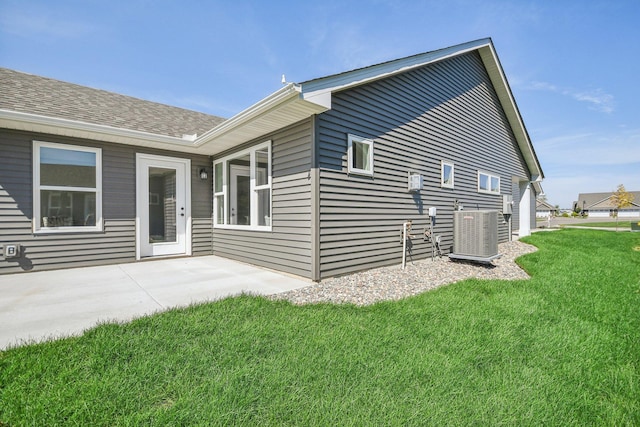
(314, 177)
(406, 229)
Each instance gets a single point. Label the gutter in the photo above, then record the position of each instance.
(34, 122)
(281, 96)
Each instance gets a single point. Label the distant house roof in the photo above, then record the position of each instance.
(602, 200)
(27, 93)
(542, 205)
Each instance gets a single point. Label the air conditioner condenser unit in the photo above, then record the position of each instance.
(475, 236)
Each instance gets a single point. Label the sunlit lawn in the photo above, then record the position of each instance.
(560, 349)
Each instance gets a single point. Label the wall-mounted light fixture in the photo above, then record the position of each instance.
(203, 174)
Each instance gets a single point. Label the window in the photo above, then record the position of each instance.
(446, 174)
(488, 183)
(67, 190)
(242, 189)
(360, 156)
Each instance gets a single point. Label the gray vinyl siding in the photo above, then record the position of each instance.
(116, 243)
(202, 236)
(443, 111)
(288, 246)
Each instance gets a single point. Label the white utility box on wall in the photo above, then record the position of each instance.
(415, 181)
(507, 204)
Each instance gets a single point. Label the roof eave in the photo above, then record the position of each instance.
(280, 109)
(77, 129)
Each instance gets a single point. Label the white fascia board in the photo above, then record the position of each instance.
(287, 93)
(72, 128)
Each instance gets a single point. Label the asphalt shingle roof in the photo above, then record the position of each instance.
(602, 201)
(27, 93)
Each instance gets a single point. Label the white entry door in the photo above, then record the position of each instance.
(163, 205)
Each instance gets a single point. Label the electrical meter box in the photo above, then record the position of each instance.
(415, 181)
(432, 212)
(11, 251)
(507, 204)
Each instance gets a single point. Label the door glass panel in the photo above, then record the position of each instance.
(243, 206)
(162, 205)
(239, 190)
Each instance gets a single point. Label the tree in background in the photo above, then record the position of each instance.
(621, 199)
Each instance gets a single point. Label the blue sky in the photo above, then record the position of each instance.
(573, 66)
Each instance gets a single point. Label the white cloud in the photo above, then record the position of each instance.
(591, 149)
(597, 99)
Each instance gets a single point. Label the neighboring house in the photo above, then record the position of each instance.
(312, 180)
(600, 205)
(545, 209)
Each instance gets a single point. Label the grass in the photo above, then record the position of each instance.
(560, 349)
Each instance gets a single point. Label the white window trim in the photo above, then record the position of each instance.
(489, 177)
(453, 174)
(37, 229)
(352, 170)
(253, 189)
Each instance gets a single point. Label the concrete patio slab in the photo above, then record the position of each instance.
(50, 304)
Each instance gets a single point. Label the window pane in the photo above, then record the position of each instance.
(67, 168)
(262, 167)
(447, 175)
(220, 209)
(67, 208)
(361, 155)
(217, 171)
(264, 207)
(495, 184)
(484, 182)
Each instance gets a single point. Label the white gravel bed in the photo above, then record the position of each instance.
(393, 283)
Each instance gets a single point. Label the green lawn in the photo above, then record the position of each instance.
(560, 349)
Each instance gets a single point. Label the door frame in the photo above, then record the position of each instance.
(143, 162)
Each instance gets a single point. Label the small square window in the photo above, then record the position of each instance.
(446, 174)
(488, 183)
(360, 155)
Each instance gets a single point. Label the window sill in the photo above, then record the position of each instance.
(243, 227)
(360, 172)
(68, 230)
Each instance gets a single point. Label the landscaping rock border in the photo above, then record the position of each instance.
(393, 283)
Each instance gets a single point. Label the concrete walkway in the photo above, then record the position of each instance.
(50, 304)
